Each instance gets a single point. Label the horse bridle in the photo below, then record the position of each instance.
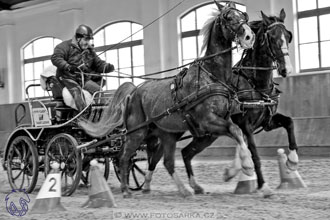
(266, 40)
(222, 19)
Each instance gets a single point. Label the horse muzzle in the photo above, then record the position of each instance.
(247, 40)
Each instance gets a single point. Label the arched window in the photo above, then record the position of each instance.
(36, 57)
(115, 44)
(313, 34)
(190, 25)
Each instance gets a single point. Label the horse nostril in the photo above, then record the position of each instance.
(247, 37)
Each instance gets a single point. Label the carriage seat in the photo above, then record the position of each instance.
(49, 82)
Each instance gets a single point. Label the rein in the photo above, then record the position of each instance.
(198, 60)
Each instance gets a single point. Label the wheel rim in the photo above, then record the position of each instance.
(22, 164)
(62, 149)
(137, 171)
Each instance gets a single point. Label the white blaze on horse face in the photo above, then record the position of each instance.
(284, 48)
(247, 39)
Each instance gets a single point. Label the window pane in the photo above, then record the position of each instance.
(236, 55)
(189, 48)
(117, 32)
(324, 28)
(31, 89)
(203, 13)
(138, 35)
(112, 57)
(200, 43)
(138, 71)
(124, 57)
(241, 7)
(127, 71)
(39, 92)
(28, 71)
(47, 63)
(187, 61)
(138, 56)
(112, 83)
(99, 38)
(56, 41)
(324, 3)
(28, 52)
(325, 54)
(309, 56)
(188, 22)
(38, 69)
(308, 30)
(304, 5)
(43, 47)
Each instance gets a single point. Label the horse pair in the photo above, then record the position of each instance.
(202, 99)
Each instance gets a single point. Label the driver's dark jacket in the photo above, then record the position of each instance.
(68, 53)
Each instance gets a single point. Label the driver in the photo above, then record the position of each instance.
(74, 55)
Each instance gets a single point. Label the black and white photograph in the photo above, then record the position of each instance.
(164, 109)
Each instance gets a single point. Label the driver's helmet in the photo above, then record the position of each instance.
(83, 31)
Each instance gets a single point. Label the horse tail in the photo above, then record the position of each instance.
(113, 115)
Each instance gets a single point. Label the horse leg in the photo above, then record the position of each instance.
(262, 185)
(130, 146)
(196, 146)
(279, 120)
(155, 153)
(243, 160)
(169, 144)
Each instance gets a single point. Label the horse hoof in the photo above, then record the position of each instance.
(127, 195)
(146, 191)
(229, 174)
(248, 171)
(266, 191)
(199, 191)
(186, 193)
(293, 166)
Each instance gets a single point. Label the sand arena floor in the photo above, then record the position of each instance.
(218, 202)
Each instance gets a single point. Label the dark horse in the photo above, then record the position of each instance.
(253, 79)
(160, 111)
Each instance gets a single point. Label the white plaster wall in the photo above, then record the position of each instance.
(59, 18)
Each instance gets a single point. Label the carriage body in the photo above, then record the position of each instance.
(54, 135)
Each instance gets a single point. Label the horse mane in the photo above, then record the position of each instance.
(207, 28)
(257, 25)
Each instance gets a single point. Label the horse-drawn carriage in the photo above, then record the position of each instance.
(54, 135)
(156, 114)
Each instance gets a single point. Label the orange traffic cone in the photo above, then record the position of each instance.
(289, 179)
(100, 194)
(49, 196)
(246, 184)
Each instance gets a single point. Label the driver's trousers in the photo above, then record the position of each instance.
(76, 90)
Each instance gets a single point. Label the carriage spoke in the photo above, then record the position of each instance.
(139, 169)
(135, 178)
(20, 172)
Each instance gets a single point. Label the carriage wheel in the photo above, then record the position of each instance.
(137, 170)
(22, 164)
(104, 163)
(62, 149)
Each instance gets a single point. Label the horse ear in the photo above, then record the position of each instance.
(231, 5)
(265, 19)
(220, 7)
(282, 14)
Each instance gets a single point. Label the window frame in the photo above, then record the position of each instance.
(317, 12)
(120, 45)
(195, 33)
(32, 61)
